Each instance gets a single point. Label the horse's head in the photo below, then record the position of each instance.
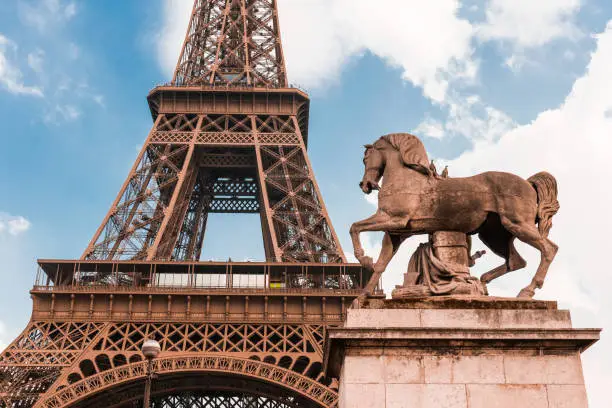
(374, 162)
(407, 149)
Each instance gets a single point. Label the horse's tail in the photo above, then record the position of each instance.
(546, 187)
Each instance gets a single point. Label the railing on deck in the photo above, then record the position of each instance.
(168, 277)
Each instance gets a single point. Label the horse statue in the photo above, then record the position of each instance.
(413, 200)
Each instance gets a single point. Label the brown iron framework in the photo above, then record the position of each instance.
(194, 164)
(229, 136)
(232, 42)
(261, 325)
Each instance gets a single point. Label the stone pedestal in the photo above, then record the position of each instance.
(458, 353)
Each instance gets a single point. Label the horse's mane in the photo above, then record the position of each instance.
(411, 150)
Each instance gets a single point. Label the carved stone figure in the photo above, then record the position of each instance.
(441, 267)
(499, 207)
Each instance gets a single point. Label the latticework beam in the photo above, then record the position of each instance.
(184, 174)
(232, 43)
(68, 361)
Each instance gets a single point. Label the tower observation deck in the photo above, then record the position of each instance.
(229, 136)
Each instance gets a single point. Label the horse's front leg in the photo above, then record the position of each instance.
(378, 222)
(390, 245)
(356, 229)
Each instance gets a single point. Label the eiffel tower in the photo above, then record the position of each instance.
(229, 136)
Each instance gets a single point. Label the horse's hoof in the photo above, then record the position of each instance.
(360, 301)
(526, 294)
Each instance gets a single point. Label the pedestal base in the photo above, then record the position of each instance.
(459, 353)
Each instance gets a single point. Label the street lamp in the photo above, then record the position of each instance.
(150, 349)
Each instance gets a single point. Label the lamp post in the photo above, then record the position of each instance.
(150, 349)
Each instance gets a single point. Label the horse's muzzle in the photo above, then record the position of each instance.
(368, 186)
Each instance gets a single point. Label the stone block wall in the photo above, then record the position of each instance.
(406, 380)
(453, 353)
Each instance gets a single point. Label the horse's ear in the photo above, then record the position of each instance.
(368, 146)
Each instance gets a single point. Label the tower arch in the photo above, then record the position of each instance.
(197, 376)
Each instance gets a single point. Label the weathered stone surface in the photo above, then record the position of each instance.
(567, 396)
(460, 358)
(484, 369)
(362, 395)
(363, 370)
(466, 318)
(563, 369)
(383, 318)
(545, 319)
(480, 318)
(506, 396)
(459, 302)
(425, 396)
(438, 369)
(402, 370)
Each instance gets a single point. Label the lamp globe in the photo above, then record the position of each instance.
(151, 349)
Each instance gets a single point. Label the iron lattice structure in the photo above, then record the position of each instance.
(229, 136)
(232, 42)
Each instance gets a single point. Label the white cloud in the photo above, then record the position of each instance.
(74, 51)
(36, 60)
(430, 128)
(13, 225)
(70, 10)
(4, 340)
(99, 99)
(527, 23)
(515, 62)
(319, 37)
(176, 14)
(11, 77)
(469, 117)
(42, 14)
(569, 55)
(62, 113)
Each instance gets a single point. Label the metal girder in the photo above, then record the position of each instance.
(218, 164)
(232, 43)
(56, 364)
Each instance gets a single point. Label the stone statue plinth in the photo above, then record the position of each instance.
(449, 352)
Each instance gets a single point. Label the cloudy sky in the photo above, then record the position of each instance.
(514, 85)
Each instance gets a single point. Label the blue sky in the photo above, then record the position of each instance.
(488, 84)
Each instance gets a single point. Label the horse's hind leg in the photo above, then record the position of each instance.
(529, 234)
(501, 242)
(547, 257)
(514, 261)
